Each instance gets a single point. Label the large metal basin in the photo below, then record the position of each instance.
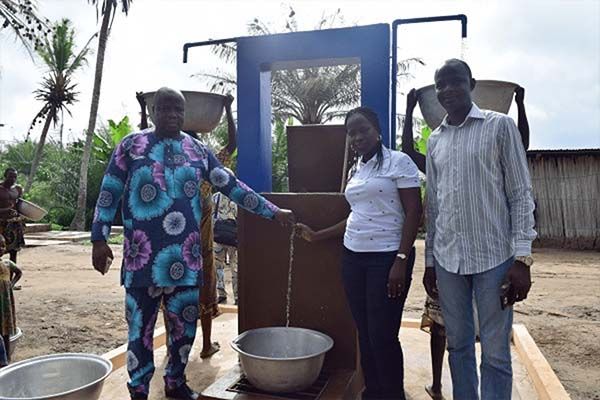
(488, 94)
(203, 110)
(282, 360)
(30, 210)
(14, 339)
(57, 377)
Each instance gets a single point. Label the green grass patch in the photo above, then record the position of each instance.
(116, 239)
(112, 240)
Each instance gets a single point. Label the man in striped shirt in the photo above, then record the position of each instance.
(479, 232)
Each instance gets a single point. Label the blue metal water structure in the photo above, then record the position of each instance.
(257, 56)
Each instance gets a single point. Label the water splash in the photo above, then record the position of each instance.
(289, 288)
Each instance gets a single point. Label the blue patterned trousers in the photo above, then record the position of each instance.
(141, 309)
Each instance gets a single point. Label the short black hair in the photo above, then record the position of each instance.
(457, 61)
(7, 170)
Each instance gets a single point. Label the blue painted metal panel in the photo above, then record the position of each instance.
(256, 56)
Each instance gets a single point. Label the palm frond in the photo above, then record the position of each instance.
(225, 51)
(309, 95)
(23, 19)
(57, 90)
(102, 6)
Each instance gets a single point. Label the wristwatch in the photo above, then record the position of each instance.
(527, 260)
(402, 256)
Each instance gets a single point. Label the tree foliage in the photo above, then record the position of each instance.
(57, 90)
(313, 95)
(106, 9)
(22, 18)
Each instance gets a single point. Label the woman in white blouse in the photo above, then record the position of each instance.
(378, 259)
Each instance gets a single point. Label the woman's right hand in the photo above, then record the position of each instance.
(306, 233)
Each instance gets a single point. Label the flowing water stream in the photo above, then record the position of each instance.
(464, 49)
(289, 288)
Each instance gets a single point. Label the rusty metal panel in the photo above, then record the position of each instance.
(318, 298)
(315, 157)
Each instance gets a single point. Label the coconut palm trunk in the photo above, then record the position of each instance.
(78, 222)
(38, 153)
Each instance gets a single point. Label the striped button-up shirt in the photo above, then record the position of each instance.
(479, 201)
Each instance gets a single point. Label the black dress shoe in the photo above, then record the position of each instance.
(138, 396)
(183, 392)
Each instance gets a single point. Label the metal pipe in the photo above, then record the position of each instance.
(187, 46)
(459, 17)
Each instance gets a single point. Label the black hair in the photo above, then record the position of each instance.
(372, 117)
(461, 62)
(7, 170)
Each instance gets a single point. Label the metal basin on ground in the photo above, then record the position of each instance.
(488, 94)
(282, 360)
(14, 339)
(203, 110)
(55, 377)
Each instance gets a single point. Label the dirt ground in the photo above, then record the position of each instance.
(66, 306)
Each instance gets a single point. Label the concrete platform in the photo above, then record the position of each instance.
(33, 228)
(41, 242)
(71, 236)
(531, 374)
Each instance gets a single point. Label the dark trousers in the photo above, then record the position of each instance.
(377, 319)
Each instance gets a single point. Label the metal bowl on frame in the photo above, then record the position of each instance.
(488, 95)
(203, 110)
(280, 359)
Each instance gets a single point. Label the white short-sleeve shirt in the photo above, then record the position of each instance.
(376, 217)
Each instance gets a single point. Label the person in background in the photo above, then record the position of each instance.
(11, 223)
(157, 172)
(10, 274)
(378, 255)
(479, 232)
(225, 248)
(432, 320)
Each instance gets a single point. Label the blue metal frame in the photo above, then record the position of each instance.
(258, 56)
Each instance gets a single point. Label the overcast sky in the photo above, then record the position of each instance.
(552, 48)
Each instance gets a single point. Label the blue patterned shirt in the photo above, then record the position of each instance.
(158, 180)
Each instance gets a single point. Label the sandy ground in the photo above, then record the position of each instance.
(66, 306)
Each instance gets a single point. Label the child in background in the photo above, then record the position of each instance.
(9, 276)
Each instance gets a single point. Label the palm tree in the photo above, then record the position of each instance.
(22, 18)
(107, 9)
(57, 90)
(310, 95)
